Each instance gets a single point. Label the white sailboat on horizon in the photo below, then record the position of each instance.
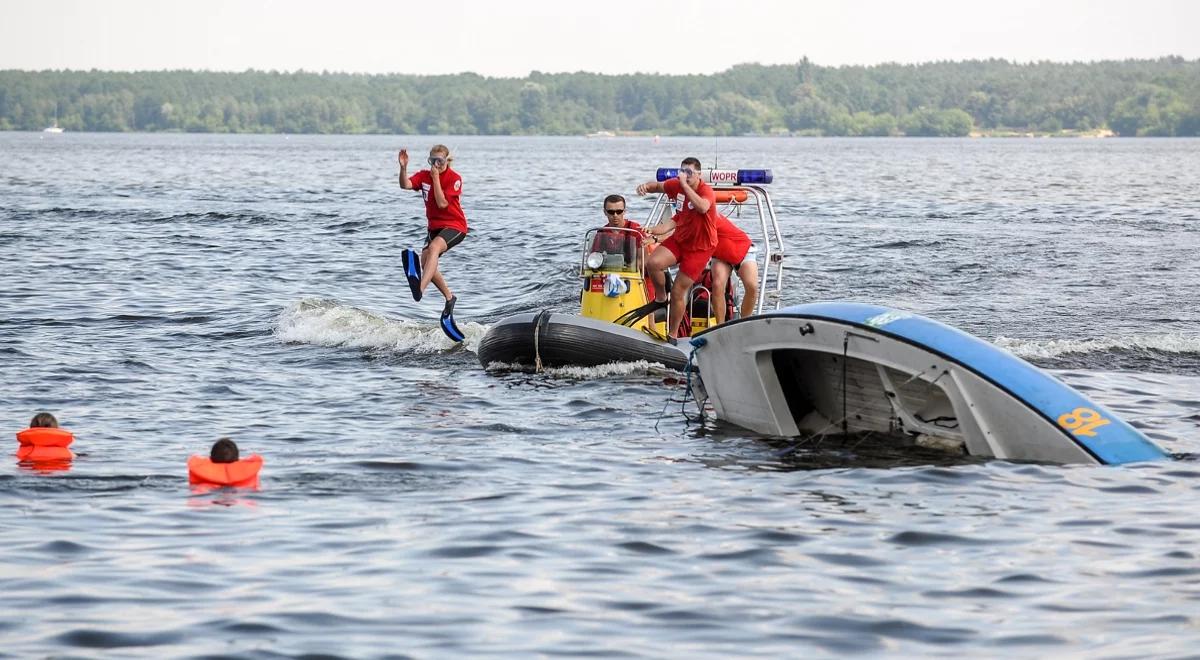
(54, 128)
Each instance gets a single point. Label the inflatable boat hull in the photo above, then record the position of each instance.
(561, 340)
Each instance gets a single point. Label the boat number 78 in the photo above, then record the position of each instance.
(1082, 421)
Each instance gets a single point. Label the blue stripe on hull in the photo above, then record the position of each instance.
(1112, 441)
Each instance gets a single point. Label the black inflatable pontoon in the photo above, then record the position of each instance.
(567, 339)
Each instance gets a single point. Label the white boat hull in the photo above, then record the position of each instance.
(831, 368)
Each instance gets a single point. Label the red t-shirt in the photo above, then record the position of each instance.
(727, 231)
(732, 243)
(452, 216)
(612, 239)
(694, 231)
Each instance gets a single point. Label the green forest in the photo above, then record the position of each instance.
(1159, 97)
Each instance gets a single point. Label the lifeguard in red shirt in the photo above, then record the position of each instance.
(611, 239)
(732, 254)
(441, 188)
(693, 241)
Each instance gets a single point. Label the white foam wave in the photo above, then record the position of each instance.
(639, 367)
(324, 322)
(606, 370)
(1166, 343)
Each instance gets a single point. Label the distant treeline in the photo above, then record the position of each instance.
(1133, 97)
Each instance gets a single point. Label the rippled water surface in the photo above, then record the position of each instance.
(159, 291)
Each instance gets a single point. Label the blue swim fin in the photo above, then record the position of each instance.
(412, 270)
(447, 323)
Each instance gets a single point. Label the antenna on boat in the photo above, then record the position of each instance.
(715, 152)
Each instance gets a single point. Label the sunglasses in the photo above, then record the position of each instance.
(614, 211)
(687, 171)
(437, 161)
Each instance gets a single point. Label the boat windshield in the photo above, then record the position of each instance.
(613, 249)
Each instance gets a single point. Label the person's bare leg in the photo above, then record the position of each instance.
(656, 264)
(748, 274)
(716, 297)
(660, 285)
(429, 261)
(440, 283)
(679, 294)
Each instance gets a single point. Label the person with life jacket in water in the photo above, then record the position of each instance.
(43, 441)
(224, 468)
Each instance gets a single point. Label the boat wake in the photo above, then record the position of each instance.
(1170, 353)
(579, 372)
(327, 322)
(1168, 343)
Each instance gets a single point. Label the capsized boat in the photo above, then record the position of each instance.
(843, 368)
(618, 320)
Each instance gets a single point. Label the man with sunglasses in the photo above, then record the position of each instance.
(611, 239)
(441, 188)
(693, 241)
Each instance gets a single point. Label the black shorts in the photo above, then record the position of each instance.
(451, 236)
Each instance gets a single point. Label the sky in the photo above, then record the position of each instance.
(510, 39)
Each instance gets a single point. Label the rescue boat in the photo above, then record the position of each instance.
(618, 320)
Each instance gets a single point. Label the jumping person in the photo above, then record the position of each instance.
(441, 188)
(693, 241)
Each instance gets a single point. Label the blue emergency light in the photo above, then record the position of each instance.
(722, 177)
(755, 176)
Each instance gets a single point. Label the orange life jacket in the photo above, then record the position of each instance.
(243, 473)
(44, 444)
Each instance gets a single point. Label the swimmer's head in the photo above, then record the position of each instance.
(43, 420)
(224, 451)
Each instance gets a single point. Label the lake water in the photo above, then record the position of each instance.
(160, 291)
